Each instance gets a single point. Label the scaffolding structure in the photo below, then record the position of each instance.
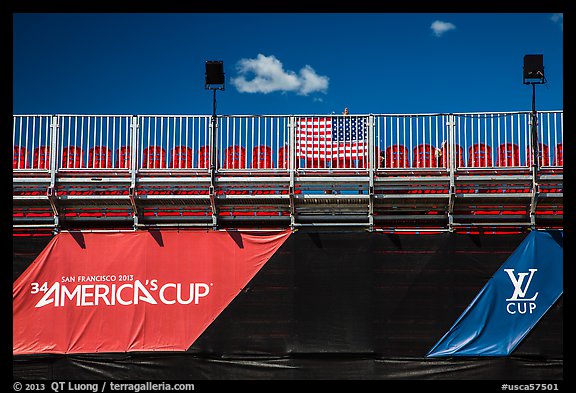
(387, 172)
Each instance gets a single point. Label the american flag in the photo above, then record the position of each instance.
(331, 137)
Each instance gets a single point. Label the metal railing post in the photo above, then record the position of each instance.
(451, 140)
(213, 159)
(51, 192)
(292, 167)
(134, 139)
(535, 158)
(371, 154)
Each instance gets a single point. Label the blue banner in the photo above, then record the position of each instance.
(511, 303)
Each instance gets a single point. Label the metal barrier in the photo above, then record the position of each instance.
(174, 142)
(32, 141)
(266, 143)
(503, 139)
(93, 142)
(551, 133)
(410, 141)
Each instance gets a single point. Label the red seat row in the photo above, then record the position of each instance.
(72, 157)
(396, 156)
(153, 157)
(479, 156)
(234, 158)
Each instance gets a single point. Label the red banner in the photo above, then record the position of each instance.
(132, 291)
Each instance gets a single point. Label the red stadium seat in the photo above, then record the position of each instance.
(378, 158)
(154, 157)
(459, 156)
(508, 155)
(181, 157)
(543, 155)
(262, 157)
(425, 156)
(479, 155)
(204, 157)
(396, 157)
(41, 158)
(283, 157)
(99, 157)
(123, 157)
(235, 157)
(20, 158)
(72, 157)
(558, 156)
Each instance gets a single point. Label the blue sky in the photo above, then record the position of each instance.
(283, 63)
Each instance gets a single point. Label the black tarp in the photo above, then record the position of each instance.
(336, 305)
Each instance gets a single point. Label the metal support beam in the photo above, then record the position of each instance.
(451, 199)
(371, 166)
(132, 196)
(213, 207)
(134, 131)
(535, 159)
(451, 124)
(52, 199)
(292, 169)
(534, 201)
(51, 191)
(213, 142)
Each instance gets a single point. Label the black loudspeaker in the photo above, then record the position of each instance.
(533, 67)
(214, 73)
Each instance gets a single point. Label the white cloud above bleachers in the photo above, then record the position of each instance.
(439, 27)
(268, 75)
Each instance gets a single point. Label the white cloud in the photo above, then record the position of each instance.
(269, 76)
(439, 27)
(558, 18)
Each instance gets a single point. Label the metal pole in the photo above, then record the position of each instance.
(534, 129)
(213, 157)
(534, 135)
(133, 167)
(292, 168)
(214, 125)
(452, 163)
(371, 165)
(51, 191)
